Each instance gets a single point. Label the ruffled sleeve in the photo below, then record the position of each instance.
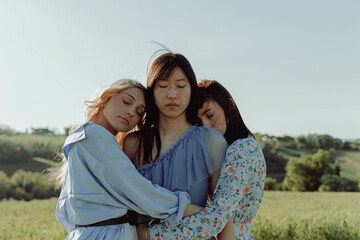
(217, 145)
(188, 162)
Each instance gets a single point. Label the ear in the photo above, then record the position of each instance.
(232, 103)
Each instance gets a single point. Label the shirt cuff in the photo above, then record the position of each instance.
(175, 218)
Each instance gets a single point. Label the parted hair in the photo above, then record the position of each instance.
(162, 68)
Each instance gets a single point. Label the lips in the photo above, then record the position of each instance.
(125, 120)
(172, 105)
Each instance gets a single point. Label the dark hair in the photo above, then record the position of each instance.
(235, 126)
(162, 68)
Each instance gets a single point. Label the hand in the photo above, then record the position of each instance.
(192, 209)
(143, 231)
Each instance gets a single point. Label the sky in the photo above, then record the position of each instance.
(293, 67)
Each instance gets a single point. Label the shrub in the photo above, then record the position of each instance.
(30, 185)
(304, 173)
(331, 182)
(270, 183)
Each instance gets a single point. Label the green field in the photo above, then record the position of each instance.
(283, 215)
(308, 215)
(349, 163)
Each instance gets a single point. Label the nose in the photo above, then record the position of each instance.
(172, 93)
(131, 112)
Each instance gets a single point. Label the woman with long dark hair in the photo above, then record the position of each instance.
(171, 150)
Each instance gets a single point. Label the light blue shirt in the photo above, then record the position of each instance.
(102, 183)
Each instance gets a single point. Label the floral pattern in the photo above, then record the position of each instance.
(239, 193)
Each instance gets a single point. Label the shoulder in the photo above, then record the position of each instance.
(85, 131)
(90, 136)
(92, 129)
(215, 141)
(132, 138)
(248, 144)
(131, 145)
(213, 136)
(96, 135)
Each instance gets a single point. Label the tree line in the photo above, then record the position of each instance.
(315, 171)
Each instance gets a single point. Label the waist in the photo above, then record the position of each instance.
(111, 221)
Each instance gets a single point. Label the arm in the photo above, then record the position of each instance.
(124, 185)
(232, 186)
(143, 228)
(228, 231)
(131, 146)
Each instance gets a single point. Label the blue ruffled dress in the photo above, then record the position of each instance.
(189, 163)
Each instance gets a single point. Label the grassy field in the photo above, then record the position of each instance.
(308, 215)
(349, 163)
(283, 215)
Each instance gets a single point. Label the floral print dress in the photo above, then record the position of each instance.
(239, 193)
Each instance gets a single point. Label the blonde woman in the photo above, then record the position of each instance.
(99, 182)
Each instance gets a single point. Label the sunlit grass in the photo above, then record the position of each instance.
(282, 215)
(30, 220)
(309, 215)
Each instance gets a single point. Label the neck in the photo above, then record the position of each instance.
(101, 121)
(173, 127)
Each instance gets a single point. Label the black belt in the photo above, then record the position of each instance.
(112, 221)
(131, 217)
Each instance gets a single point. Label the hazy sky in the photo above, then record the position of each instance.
(293, 67)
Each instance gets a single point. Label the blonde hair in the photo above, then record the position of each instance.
(57, 175)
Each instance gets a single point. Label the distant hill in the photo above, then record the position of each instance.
(349, 162)
(33, 152)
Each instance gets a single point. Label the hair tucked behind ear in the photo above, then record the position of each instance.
(57, 175)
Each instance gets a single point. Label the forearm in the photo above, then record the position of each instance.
(228, 232)
(207, 223)
(213, 181)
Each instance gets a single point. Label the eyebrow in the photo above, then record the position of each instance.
(180, 79)
(135, 99)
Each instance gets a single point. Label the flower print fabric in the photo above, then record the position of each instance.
(239, 193)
